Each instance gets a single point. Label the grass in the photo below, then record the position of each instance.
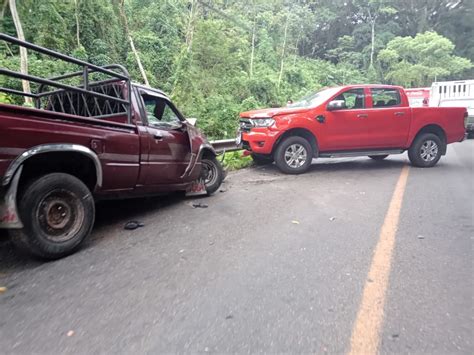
(235, 160)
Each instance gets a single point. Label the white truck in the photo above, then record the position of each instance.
(455, 94)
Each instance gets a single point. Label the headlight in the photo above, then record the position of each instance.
(262, 122)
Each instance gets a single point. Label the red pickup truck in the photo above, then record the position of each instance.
(104, 138)
(348, 121)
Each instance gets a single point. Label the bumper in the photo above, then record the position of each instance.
(260, 140)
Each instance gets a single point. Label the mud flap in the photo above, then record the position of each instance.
(197, 188)
(9, 218)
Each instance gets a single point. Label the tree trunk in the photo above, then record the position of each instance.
(78, 29)
(23, 52)
(132, 45)
(372, 48)
(252, 54)
(190, 28)
(283, 52)
(372, 20)
(4, 7)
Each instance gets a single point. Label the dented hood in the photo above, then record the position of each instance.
(271, 112)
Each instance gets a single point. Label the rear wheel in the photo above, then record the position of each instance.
(212, 174)
(378, 157)
(261, 159)
(58, 212)
(426, 150)
(294, 155)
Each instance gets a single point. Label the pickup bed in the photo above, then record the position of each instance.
(356, 120)
(101, 139)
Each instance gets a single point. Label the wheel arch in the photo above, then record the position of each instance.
(300, 132)
(51, 157)
(434, 129)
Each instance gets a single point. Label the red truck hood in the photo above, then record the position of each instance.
(271, 112)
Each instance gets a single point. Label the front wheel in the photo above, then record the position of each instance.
(212, 174)
(294, 155)
(425, 151)
(58, 212)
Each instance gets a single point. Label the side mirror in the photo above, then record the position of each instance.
(191, 121)
(336, 105)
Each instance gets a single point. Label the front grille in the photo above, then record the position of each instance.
(245, 125)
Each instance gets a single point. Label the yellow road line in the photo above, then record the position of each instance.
(366, 330)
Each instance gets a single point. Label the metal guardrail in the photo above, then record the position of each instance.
(225, 145)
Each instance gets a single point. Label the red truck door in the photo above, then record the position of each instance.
(346, 128)
(389, 118)
(168, 142)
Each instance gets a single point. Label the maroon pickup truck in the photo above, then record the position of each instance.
(99, 138)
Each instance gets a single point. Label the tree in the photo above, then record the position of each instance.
(132, 44)
(419, 60)
(23, 52)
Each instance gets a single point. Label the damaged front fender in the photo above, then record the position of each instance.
(9, 217)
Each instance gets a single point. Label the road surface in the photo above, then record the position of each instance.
(353, 256)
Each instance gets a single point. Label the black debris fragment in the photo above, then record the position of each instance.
(131, 225)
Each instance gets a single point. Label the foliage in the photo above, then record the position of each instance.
(236, 160)
(217, 58)
(420, 60)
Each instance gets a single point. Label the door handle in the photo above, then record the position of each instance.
(362, 115)
(321, 118)
(399, 113)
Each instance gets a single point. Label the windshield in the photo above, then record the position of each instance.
(315, 99)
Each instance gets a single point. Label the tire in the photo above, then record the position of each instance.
(286, 162)
(47, 232)
(378, 157)
(426, 150)
(261, 159)
(213, 174)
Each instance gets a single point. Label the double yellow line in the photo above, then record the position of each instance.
(365, 337)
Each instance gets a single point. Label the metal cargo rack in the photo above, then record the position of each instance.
(101, 99)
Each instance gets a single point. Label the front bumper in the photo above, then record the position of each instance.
(260, 140)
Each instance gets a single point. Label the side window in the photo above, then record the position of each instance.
(385, 97)
(353, 99)
(159, 113)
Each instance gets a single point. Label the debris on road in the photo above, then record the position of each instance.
(70, 333)
(3, 289)
(295, 222)
(332, 219)
(230, 316)
(131, 225)
(199, 205)
(421, 237)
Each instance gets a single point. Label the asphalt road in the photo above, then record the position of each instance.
(276, 263)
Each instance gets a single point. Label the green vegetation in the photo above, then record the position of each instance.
(235, 160)
(217, 58)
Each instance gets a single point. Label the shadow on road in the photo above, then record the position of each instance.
(107, 213)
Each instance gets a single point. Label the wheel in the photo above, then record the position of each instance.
(58, 212)
(378, 157)
(294, 155)
(425, 151)
(261, 159)
(212, 174)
